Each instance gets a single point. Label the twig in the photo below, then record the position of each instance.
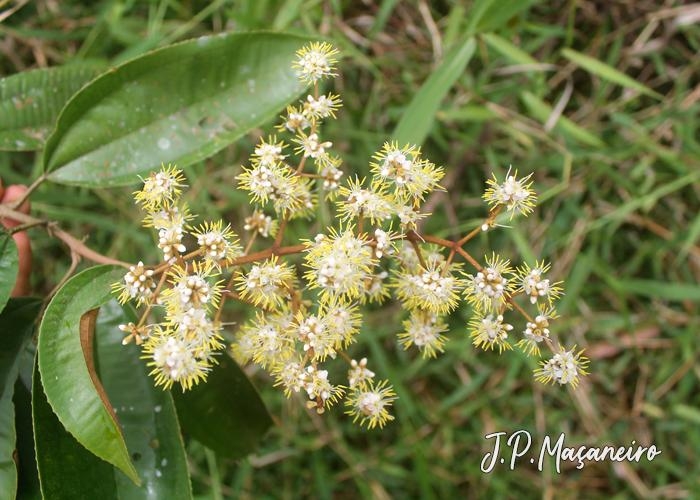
(24, 227)
(280, 232)
(419, 253)
(74, 261)
(264, 254)
(72, 242)
(18, 202)
(144, 316)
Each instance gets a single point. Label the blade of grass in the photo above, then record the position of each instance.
(417, 120)
(606, 72)
(541, 111)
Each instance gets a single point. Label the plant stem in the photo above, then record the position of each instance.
(18, 202)
(74, 244)
(152, 301)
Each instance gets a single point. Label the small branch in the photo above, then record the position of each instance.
(280, 232)
(413, 236)
(18, 202)
(74, 261)
(520, 309)
(144, 316)
(419, 253)
(244, 300)
(24, 227)
(181, 260)
(264, 254)
(249, 245)
(227, 290)
(469, 259)
(72, 242)
(300, 168)
(471, 234)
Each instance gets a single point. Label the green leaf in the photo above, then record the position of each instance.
(541, 111)
(606, 72)
(72, 387)
(27, 474)
(225, 413)
(661, 290)
(67, 470)
(179, 104)
(508, 50)
(16, 325)
(30, 102)
(9, 265)
(146, 413)
(490, 15)
(417, 120)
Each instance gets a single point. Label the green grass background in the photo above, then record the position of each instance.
(616, 162)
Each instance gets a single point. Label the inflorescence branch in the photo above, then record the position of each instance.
(302, 321)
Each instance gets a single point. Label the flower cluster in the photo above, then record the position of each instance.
(183, 290)
(308, 311)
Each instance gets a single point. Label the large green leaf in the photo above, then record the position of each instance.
(180, 104)
(417, 120)
(16, 325)
(69, 380)
(9, 262)
(67, 471)
(30, 102)
(146, 414)
(226, 413)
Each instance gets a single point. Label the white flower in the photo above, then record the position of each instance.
(565, 367)
(217, 243)
(515, 194)
(138, 283)
(316, 338)
(370, 404)
(315, 61)
(323, 107)
(383, 240)
(339, 265)
(160, 189)
(424, 330)
(321, 392)
(311, 146)
(294, 121)
(358, 202)
(193, 289)
(170, 242)
(535, 285)
(269, 153)
(173, 360)
(408, 216)
(490, 331)
(260, 223)
(267, 284)
(331, 176)
(489, 289)
(359, 375)
(291, 376)
(431, 289)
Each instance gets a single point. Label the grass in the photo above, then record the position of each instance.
(599, 100)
